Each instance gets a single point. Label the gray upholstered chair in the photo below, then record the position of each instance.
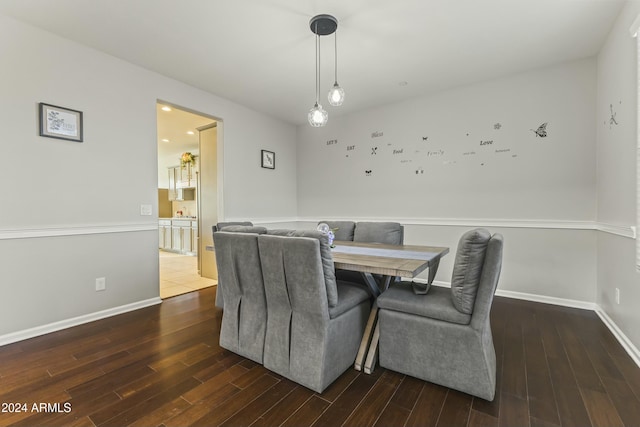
(245, 307)
(391, 233)
(218, 227)
(314, 323)
(445, 336)
(343, 229)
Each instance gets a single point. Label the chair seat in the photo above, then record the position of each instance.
(436, 304)
(349, 296)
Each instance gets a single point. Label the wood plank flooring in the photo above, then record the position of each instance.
(162, 366)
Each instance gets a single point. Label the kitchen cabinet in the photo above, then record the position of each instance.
(182, 182)
(186, 176)
(182, 238)
(164, 234)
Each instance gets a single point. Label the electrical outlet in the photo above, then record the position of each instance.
(101, 284)
(145, 210)
(617, 296)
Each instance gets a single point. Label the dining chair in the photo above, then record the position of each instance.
(314, 323)
(444, 336)
(391, 233)
(245, 307)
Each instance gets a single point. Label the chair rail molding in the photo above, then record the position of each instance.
(620, 230)
(74, 230)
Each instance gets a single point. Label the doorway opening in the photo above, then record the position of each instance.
(187, 190)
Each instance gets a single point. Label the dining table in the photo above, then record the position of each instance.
(380, 264)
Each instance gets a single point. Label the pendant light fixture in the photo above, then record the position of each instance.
(322, 25)
(336, 93)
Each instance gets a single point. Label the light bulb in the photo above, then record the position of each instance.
(336, 95)
(317, 116)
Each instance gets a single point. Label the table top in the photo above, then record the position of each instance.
(388, 260)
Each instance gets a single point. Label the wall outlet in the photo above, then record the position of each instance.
(617, 295)
(101, 284)
(145, 210)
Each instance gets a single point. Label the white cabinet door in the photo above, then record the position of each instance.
(164, 234)
(176, 238)
(186, 239)
(194, 237)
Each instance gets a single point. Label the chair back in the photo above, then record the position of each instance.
(296, 293)
(491, 269)
(391, 233)
(219, 226)
(245, 312)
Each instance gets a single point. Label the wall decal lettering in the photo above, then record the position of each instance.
(612, 120)
(419, 171)
(435, 153)
(541, 131)
(486, 142)
(351, 147)
(374, 150)
(377, 134)
(400, 151)
(503, 150)
(469, 153)
(332, 142)
(497, 126)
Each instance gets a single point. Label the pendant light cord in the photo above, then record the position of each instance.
(335, 38)
(317, 65)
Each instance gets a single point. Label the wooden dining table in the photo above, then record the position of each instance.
(380, 264)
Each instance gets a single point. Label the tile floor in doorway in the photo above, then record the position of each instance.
(179, 275)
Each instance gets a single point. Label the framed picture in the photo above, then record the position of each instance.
(268, 159)
(60, 122)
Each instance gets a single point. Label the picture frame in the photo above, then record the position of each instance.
(60, 122)
(268, 159)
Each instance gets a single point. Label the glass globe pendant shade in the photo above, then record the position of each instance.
(323, 227)
(318, 116)
(336, 95)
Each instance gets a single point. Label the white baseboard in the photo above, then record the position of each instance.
(75, 321)
(626, 343)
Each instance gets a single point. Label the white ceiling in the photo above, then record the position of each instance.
(260, 53)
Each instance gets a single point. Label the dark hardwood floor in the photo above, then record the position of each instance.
(162, 366)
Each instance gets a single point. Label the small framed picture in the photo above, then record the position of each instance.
(268, 159)
(61, 123)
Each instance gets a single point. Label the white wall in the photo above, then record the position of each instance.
(55, 187)
(616, 173)
(519, 178)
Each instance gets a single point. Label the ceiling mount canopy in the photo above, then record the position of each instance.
(324, 25)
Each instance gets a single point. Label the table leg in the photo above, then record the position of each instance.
(370, 339)
(364, 344)
(372, 355)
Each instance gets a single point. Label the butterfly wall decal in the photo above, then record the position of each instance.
(541, 131)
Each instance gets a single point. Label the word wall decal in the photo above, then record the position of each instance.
(612, 120)
(377, 134)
